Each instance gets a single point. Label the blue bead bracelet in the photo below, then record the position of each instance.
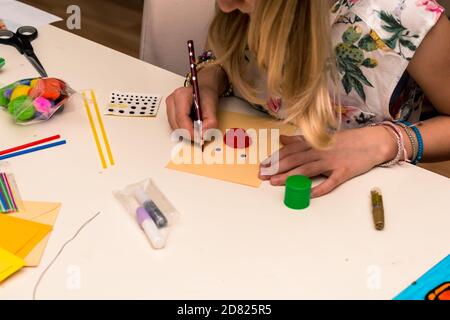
(419, 141)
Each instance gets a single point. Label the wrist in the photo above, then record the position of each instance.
(214, 78)
(385, 144)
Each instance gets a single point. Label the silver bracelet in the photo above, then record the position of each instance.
(414, 144)
(401, 151)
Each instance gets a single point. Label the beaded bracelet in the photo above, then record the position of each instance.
(203, 61)
(412, 139)
(401, 150)
(420, 147)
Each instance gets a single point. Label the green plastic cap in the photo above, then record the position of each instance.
(2, 62)
(298, 192)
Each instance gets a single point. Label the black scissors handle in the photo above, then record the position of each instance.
(26, 35)
(21, 40)
(10, 38)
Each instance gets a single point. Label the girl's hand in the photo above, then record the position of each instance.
(179, 106)
(354, 153)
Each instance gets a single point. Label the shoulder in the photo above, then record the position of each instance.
(401, 24)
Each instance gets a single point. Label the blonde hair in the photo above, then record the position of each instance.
(291, 42)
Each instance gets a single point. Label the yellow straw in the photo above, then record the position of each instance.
(94, 131)
(102, 128)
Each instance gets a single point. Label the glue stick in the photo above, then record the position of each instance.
(151, 208)
(150, 229)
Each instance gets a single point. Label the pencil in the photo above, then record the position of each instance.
(198, 118)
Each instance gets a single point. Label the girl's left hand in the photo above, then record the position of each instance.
(354, 152)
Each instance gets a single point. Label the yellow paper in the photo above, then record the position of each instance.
(42, 212)
(9, 264)
(20, 236)
(246, 172)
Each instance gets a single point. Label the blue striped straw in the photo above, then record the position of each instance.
(10, 192)
(3, 203)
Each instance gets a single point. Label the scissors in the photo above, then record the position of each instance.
(21, 40)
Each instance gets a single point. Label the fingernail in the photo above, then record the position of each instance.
(266, 162)
(275, 181)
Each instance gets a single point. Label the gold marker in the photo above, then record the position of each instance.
(377, 209)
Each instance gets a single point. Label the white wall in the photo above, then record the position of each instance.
(167, 26)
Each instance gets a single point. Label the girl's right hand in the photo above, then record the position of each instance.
(179, 106)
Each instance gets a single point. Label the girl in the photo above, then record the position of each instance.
(372, 67)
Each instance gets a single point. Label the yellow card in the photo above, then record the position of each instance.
(20, 236)
(41, 212)
(238, 165)
(9, 264)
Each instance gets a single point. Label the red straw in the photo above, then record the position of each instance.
(31, 144)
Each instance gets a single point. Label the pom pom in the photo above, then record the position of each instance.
(52, 89)
(34, 83)
(20, 90)
(3, 100)
(8, 93)
(42, 105)
(22, 108)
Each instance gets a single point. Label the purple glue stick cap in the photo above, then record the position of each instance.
(141, 215)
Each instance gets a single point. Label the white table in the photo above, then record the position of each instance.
(238, 243)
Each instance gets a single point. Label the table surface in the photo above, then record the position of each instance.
(239, 243)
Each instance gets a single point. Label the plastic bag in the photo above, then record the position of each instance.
(35, 100)
(150, 209)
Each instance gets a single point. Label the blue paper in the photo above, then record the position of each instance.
(433, 285)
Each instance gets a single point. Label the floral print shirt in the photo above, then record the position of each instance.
(374, 41)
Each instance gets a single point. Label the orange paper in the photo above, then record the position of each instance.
(245, 162)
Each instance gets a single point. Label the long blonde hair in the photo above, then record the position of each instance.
(291, 42)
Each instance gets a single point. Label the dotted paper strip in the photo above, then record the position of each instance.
(125, 104)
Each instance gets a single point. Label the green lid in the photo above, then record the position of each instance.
(2, 62)
(298, 192)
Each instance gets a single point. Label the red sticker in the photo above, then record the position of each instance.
(237, 138)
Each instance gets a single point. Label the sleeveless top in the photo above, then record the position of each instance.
(374, 41)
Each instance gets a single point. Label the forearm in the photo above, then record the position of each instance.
(436, 139)
(214, 78)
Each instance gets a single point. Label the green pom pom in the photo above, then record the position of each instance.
(3, 100)
(22, 108)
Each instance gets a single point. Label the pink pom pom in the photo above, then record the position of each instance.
(42, 105)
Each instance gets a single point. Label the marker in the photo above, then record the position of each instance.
(150, 229)
(151, 208)
(377, 209)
